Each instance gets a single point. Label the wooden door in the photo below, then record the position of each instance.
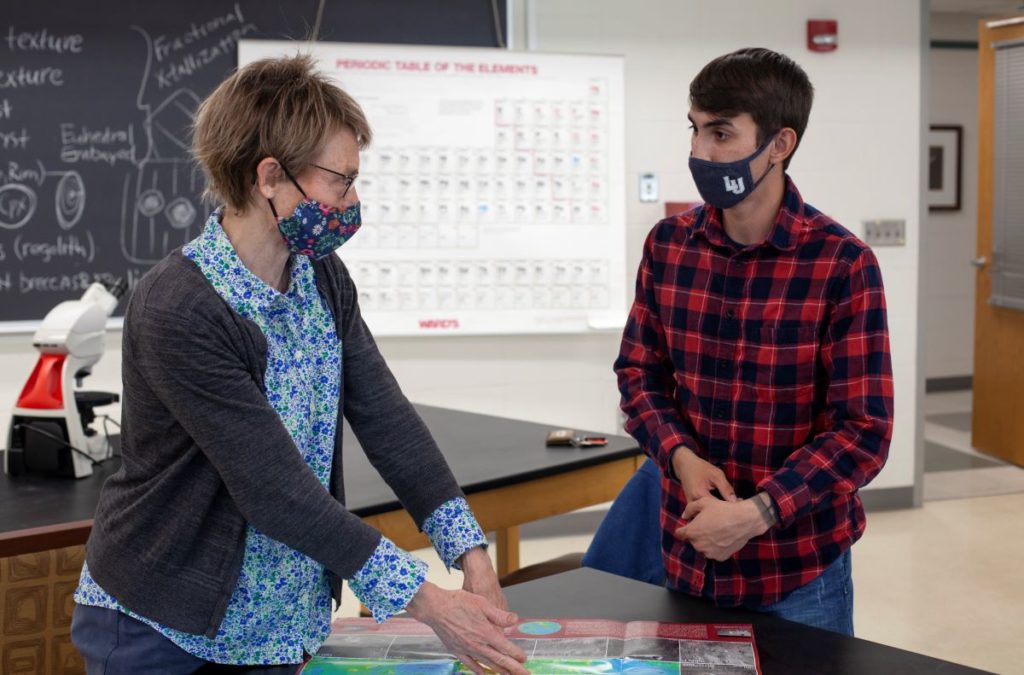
(998, 418)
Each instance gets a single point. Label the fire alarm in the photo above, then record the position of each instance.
(822, 35)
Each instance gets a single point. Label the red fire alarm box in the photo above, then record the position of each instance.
(822, 35)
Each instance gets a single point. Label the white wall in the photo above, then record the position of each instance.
(860, 160)
(951, 241)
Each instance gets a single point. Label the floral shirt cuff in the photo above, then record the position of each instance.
(453, 530)
(387, 582)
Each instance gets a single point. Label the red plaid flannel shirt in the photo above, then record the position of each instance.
(771, 362)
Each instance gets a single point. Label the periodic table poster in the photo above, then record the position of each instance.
(492, 196)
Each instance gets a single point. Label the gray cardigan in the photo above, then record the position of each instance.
(204, 453)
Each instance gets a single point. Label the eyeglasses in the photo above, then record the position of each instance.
(348, 179)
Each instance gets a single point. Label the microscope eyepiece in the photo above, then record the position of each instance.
(117, 288)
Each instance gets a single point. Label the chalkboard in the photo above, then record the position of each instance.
(96, 101)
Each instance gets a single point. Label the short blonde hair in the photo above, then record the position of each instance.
(281, 108)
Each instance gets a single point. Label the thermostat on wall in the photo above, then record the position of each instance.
(648, 187)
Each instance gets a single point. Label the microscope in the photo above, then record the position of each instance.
(51, 429)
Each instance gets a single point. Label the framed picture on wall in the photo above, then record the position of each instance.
(945, 152)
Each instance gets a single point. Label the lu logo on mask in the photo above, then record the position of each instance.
(723, 184)
(733, 186)
(315, 229)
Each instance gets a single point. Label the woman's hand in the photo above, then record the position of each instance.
(471, 627)
(479, 577)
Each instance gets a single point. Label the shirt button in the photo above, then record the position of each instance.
(298, 355)
(730, 314)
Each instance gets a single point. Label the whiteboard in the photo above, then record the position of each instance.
(492, 196)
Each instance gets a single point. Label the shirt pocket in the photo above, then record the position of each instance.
(779, 362)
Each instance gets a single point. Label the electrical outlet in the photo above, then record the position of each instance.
(889, 232)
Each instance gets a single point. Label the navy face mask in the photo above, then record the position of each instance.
(726, 184)
(315, 229)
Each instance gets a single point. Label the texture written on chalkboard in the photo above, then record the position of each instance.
(96, 106)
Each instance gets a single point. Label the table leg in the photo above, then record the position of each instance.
(507, 551)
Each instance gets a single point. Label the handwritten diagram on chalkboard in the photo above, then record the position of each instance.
(96, 105)
(20, 200)
(159, 210)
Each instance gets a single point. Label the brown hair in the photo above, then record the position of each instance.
(771, 87)
(281, 108)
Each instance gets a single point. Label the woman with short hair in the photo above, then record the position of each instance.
(224, 536)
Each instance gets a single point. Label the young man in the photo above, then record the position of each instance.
(754, 366)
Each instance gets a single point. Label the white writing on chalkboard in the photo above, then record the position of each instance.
(43, 41)
(65, 246)
(70, 135)
(56, 283)
(189, 64)
(93, 154)
(18, 201)
(80, 144)
(188, 57)
(5, 109)
(14, 140)
(17, 204)
(164, 46)
(15, 173)
(75, 282)
(31, 77)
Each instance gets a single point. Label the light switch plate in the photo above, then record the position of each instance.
(648, 187)
(885, 232)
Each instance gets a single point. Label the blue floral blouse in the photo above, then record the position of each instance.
(281, 606)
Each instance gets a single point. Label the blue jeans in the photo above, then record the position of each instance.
(113, 643)
(628, 541)
(826, 602)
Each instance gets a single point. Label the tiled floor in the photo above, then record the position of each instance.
(942, 580)
(953, 469)
(938, 457)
